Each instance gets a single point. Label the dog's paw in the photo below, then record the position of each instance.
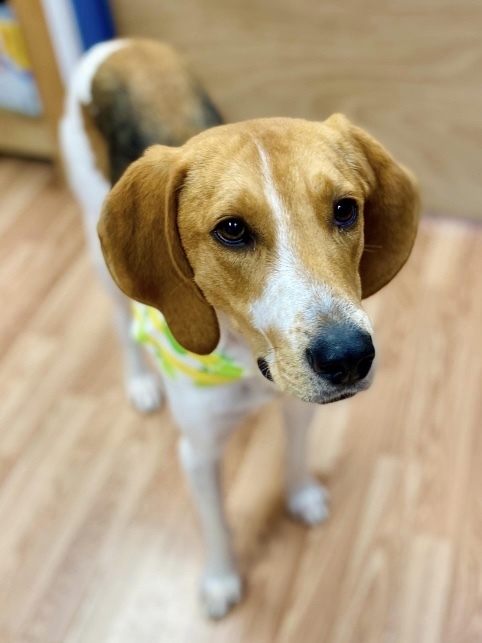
(310, 504)
(220, 592)
(144, 391)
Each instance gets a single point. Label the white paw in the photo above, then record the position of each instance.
(144, 391)
(219, 592)
(310, 504)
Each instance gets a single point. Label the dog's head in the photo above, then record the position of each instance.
(284, 226)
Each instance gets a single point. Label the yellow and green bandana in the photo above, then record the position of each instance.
(151, 330)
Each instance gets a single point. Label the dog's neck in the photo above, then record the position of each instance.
(235, 344)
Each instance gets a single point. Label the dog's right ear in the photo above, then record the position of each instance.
(142, 248)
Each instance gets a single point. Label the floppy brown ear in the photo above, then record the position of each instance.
(391, 211)
(143, 251)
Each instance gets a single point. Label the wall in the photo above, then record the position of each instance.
(410, 72)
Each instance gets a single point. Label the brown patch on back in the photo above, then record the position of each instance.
(97, 142)
(143, 94)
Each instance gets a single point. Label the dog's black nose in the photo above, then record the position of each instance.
(342, 354)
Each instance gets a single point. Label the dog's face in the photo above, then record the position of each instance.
(283, 225)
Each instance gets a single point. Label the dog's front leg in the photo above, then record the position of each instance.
(306, 498)
(221, 584)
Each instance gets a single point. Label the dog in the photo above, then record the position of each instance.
(257, 241)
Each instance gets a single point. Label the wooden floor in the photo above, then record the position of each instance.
(98, 540)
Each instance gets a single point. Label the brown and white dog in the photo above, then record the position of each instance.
(263, 235)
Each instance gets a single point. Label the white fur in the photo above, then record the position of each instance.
(272, 196)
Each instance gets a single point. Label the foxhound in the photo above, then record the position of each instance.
(248, 248)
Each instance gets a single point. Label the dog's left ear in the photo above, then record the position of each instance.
(391, 210)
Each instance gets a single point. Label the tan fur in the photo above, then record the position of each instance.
(313, 165)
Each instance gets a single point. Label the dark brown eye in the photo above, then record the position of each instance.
(233, 232)
(345, 213)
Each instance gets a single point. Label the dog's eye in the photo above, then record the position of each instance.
(233, 232)
(345, 212)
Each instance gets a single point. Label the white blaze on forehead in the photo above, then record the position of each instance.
(290, 293)
(272, 195)
(288, 290)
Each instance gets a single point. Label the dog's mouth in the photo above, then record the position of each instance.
(337, 396)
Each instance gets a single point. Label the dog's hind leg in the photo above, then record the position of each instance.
(306, 498)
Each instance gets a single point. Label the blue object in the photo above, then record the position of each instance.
(95, 21)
